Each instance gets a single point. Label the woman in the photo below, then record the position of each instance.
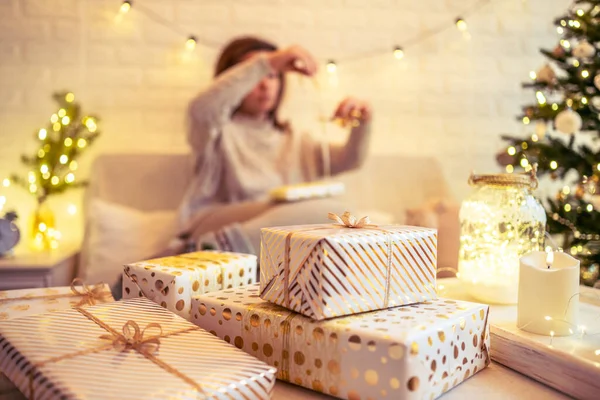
(243, 150)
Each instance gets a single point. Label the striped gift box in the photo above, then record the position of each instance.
(129, 349)
(325, 271)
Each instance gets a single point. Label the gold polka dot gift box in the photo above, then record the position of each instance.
(409, 352)
(132, 349)
(26, 302)
(330, 270)
(172, 281)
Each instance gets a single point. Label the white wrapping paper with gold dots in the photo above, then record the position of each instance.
(408, 352)
(172, 281)
(325, 271)
(67, 355)
(25, 302)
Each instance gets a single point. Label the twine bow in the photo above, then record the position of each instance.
(90, 295)
(350, 221)
(133, 338)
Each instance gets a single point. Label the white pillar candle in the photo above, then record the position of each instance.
(548, 293)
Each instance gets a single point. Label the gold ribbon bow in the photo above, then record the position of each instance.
(90, 295)
(346, 220)
(133, 338)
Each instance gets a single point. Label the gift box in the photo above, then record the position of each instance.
(409, 352)
(172, 281)
(25, 302)
(331, 270)
(126, 349)
(307, 190)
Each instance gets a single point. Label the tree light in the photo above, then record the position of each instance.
(42, 134)
(72, 209)
(540, 97)
(6, 182)
(567, 207)
(54, 118)
(70, 97)
(553, 165)
(70, 177)
(190, 44)
(532, 75)
(63, 159)
(331, 66)
(398, 53)
(62, 112)
(526, 120)
(584, 100)
(565, 43)
(66, 120)
(589, 208)
(554, 106)
(585, 73)
(81, 143)
(524, 163)
(73, 165)
(511, 151)
(125, 7)
(44, 169)
(580, 12)
(510, 168)
(55, 179)
(56, 127)
(461, 24)
(68, 142)
(560, 30)
(33, 188)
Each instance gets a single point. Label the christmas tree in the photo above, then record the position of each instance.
(52, 168)
(564, 134)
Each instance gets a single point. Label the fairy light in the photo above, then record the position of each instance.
(56, 127)
(44, 169)
(42, 227)
(548, 318)
(55, 180)
(566, 190)
(598, 167)
(125, 7)
(331, 66)
(567, 207)
(6, 182)
(563, 22)
(526, 120)
(62, 112)
(73, 165)
(65, 120)
(190, 43)
(398, 53)
(81, 143)
(576, 24)
(511, 151)
(585, 73)
(54, 118)
(63, 159)
(31, 176)
(461, 24)
(589, 208)
(68, 142)
(540, 97)
(42, 134)
(575, 63)
(510, 168)
(554, 106)
(560, 30)
(72, 209)
(524, 163)
(46, 175)
(70, 178)
(553, 165)
(532, 75)
(580, 12)
(584, 100)
(90, 124)
(565, 43)
(69, 97)
(33, 188)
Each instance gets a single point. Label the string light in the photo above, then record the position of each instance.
(44, 169)
(42, 134)
(589, 208)
(575, 63)
(331, 66)
(566, 190)
(461, 24)
(90, 124)
(68, 142)
(66, 120)
(598, 167)
(72, 209)
(69, 97)
(33, 188)
(56, 127)
(190, 43)
(31, 177)
(540, 97)
(73, 165)
(553, 164)
(398, 53)
(532, 75)
(511, 151)
(567, 207)
(585, 73)
(526, 120)
(70, 177)
(554, 106)
(580, 12)
(62, 112)
(534, 138)
(54, 118)
(560, 30)
(125, 7)
(563, 22)
(524, 145)
(510, 168)
(584, 100)
(565, 43)
(46, 175)
(576, 24)
(6, 182)
(524, 163)
(55, 179)
(81, 143)
(63, 159)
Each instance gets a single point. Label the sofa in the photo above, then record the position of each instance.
(130, 204)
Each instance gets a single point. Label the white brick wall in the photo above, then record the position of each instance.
(449, 98)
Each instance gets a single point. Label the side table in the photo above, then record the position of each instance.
(27, 269)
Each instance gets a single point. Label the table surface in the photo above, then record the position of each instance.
(494, 382)
(24, 258)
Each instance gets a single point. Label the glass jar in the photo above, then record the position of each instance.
(500, 221)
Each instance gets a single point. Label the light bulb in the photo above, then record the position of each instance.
(589, 208)
(554, 106)
(567, 207)
(44, 169)
(580, 12)
(331, 67)
(56, 127)
(90, 123)
(398, 53)
(62, 112)
(72, 209)
(524, 163)
(54, 118)
(560, 30)
(6, 182)
(73, 165)
(511, 151)
(54, 180)
(70, 97)
(534, 138)
(81, 143)
(532, 75)
(585, 73)
(125, 7)
(553, 165)
(33, 188)
(540, 97)
(70, 177)
(526, 120)
(566, 190)
(68, 142)
(584, 100)
(63, 159)
(190, 44)
(510, 168)
(461, 24)
(598, 167)
(66, 120)
(31, 176)
(565, 43)
(575, 63)
(42, 134)
(576, 24)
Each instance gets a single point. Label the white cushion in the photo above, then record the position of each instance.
(117, 235)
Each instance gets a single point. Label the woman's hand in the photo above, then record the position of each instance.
(353, 112)
(293, 59)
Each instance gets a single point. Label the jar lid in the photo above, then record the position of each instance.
(527, 179)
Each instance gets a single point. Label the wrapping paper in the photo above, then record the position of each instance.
(172, 281)
(128, 349)
(25, 302)
(409, 352)
(309, 190)
(330, 270)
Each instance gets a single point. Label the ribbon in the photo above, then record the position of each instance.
(132, 338)
(91, 296)
(346, 220)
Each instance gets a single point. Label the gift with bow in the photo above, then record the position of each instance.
(348, 267)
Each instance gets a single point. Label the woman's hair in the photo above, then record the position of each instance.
(235, 52)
